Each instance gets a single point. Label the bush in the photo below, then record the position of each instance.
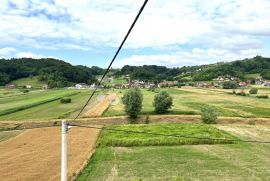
(146, 121)
(242, 93)
(162, 102)
(262, 96)
(209, 115)
(233, 92)
(132, 101)
(230, 85)
(25, 91)
(65, 100)
(253, 90)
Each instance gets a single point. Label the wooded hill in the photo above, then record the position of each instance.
(55, 72)
(60, 74)
(239, 68)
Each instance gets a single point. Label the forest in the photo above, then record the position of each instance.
(61, 74)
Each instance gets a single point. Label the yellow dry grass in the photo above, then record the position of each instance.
(98, 109)
(35, 154)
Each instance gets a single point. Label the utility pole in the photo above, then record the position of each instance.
(64, 151)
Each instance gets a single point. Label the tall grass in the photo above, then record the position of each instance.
(128, 139)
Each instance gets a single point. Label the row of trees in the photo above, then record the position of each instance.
(133, 98)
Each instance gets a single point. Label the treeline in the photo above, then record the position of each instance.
(55, 72)
(236, 68)
(148, 72)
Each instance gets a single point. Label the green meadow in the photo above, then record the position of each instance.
(239, 161)
(188, 100)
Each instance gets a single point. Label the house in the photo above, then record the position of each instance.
(28, 86)
(203, 84)
(118, 86)
(243, 84)
(11, 86)
(168, 84)
(81, 86)
(45, 86)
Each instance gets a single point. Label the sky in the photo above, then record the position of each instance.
(172, 33)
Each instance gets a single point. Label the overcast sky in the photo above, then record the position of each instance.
(169, 32)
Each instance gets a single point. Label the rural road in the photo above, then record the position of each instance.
(35, 154)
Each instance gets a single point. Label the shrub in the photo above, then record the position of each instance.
(262, 96)
(230, 85)
(253, 90)
(233, 92)
(146, 121)
(65, 100)
(162, 102)
(25, 91)
(132, 101)
(209, 115)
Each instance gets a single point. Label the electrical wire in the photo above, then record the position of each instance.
(172, 135)
(117, 52)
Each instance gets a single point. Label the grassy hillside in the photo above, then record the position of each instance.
(33, 81)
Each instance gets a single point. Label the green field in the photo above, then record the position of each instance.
(129, 138)
(241, 161)
(42, 105)
(33, 81)
(189, 100)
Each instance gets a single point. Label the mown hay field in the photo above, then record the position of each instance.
(36, 154)
(190, 100)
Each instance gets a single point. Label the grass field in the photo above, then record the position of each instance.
(118, 138)
(238, 162)
(188, 100)
(33, 81)
(42, 105)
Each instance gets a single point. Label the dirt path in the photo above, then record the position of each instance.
(35, 154)
(98, 109)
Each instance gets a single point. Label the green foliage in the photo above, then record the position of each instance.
(24, 91)
(65, 100)
(162, 102)
(262, 96)
(242, 93)
(133, 137)
(209, 115)
(146, 121)
(56, 72)
(253, 90)
(4, 78)
(132, 101)
(230, 85)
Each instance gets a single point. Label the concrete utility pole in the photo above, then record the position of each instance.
(64, 151)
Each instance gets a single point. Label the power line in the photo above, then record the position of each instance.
(172, 135)
(118, 50)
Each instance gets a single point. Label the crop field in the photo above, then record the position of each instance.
(239, 161)
(188, 100)
(35, 154)
(42, 105)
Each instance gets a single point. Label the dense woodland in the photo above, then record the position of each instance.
(60, 74)
(56, 72)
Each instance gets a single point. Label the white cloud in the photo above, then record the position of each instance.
(10, 52)
(220, 29)
(188, 58)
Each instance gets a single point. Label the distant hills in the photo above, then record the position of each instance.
(58, 73)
